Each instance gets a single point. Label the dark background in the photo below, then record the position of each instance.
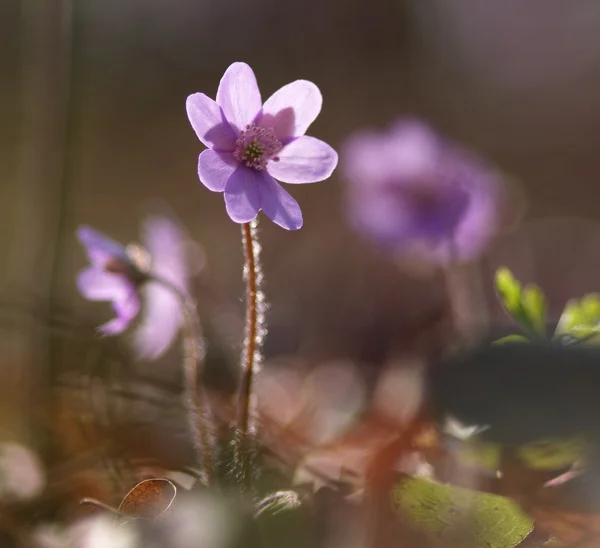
(92, 96)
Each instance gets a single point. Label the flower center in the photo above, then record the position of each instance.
(256, 146)
(135, 265)
(140, 257)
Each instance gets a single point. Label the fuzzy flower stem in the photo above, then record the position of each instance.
(467, 302)
(252, 342)
(193, 357)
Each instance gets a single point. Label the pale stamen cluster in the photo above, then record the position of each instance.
(256, 146)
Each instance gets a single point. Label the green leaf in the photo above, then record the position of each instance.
(553, 453)
(542, 454)
(581, 319)
(509, 290)
(512, 339)
(527, 307)
(460, 517)
(570, 317)
(534, 306)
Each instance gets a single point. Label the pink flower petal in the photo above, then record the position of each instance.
(161, 318)
(242, 194)
(100, 249)
(161, 315)
(166, 242)
(209, 123)
(279, 206)
(126, 310)
(409, 150)
(362, 159)
(215, 168)
(238, 95)
(292, 109)
(304, 160)
(97, 285)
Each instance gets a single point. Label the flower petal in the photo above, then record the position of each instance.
(126, 310)
(304, 160)
(161, 318)
(408, 151)
(479, 222)
(100, 249)
(413, 148)
(292, 109)
(238, 95)
(279, 206)
(166, 242)
(161, 314)
(209, 123)
(242, 194)
(215, 169)
(96, 285)
(365, 161)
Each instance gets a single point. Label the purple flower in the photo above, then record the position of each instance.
(133, 278)
(251, 144)
(412, 191)
(112, 276)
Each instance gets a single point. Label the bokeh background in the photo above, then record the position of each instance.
(94, 131)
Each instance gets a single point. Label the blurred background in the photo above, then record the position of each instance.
(94, 131)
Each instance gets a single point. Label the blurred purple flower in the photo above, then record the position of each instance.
(412, 191)
(162, 314)
(113, 276)
(251, 144)
(131, 276)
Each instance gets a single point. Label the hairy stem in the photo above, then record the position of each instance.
(467, 302)
(251, 355)
(193, 394)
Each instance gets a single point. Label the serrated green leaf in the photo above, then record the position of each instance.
(587, 334)
(509, 290)
(543, 454)
(526, 310)
(512, 339)
(461, 517)
(581, 318)
(534, 306)
(570, 317)
(590, 306)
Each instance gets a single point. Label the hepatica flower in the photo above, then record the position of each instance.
(411, 191)
(140, 282)
(250, 144)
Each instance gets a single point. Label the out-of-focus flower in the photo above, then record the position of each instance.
(200, 521)
(312, 407)
(132, 275)
(93, 532)
(100, 532)
(251, 144)
(113, 276)
(411, 191)
(162, 314)
(21, 473)
(347, 458)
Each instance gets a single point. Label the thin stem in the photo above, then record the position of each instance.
(467, 302)
(251, 355)
(99, 504)
(193, 394)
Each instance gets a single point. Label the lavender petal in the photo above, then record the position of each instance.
(238, 95)
(292, 109)
(304, 160)
(279, 206)
(242, 194)
(215, 169)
